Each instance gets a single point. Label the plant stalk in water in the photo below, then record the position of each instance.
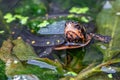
(89, 72)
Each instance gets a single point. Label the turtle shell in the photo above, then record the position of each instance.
(38, 40)
(73, 35)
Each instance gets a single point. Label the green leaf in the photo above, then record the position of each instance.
(2, 71)
(5, 51)
(70, 74)
(23, 19)
(71, 16)
(23, 50)
(1, 32)
(108, 24)
(79, 10)
(110, 76)
(9, 17)
(43, 24)
(84, 19)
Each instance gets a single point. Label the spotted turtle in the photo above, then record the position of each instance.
(75, 36)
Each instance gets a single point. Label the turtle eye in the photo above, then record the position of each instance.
(72, 22)
(77, 26)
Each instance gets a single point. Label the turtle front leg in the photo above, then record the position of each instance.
(99, 37)
(43, 51)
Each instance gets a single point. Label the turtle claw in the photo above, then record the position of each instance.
(107, 39)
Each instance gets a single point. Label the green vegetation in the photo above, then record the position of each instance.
(34, 8)
(2, 71)
(79, 10)
(74, 64)
(10, 18)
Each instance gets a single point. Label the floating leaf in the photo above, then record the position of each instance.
(71, 16)
(79, 10)
(43, 24)
(23, 19)
(9, 18)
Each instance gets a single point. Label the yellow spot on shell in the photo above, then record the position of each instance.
(47, 42)
(58, 41)
(19, 37)
(32, 31)
(33, 42)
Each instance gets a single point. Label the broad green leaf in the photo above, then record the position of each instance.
(23, 50)
(5, 51)
(10, 59)
(108, 22)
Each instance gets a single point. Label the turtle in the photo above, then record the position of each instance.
(75, 36)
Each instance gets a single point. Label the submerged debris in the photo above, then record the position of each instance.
(41, 64)
(108, 69)
(24, 77)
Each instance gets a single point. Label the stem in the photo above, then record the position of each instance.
(83, 75)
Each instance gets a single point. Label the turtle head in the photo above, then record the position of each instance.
(75, 32)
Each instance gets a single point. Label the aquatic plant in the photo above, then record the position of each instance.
(85, 64)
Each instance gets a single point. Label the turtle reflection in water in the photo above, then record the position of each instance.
(75, 36)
